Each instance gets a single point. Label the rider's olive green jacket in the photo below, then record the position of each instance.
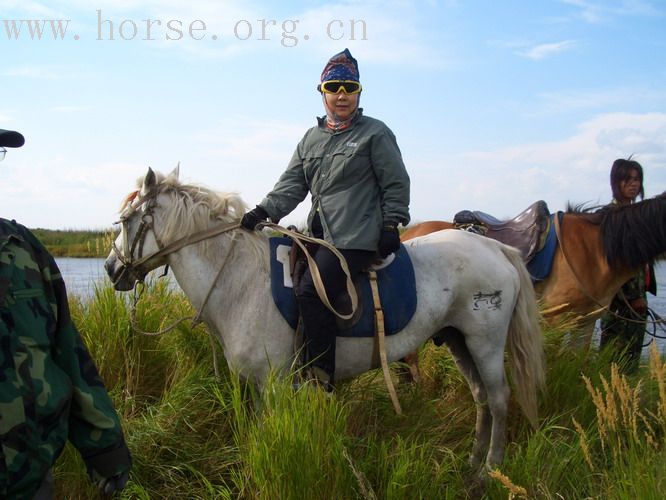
(357, 179)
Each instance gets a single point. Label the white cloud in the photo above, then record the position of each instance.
(28, 9)
(79, 196)
(597, 12)
(395, 32)
(616, 98)
(544, 50)
(507, 180)
(45, 72)
(70, 109)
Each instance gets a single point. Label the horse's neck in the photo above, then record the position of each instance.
(236, 274)
(581, 277)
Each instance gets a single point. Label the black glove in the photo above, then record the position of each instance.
(109, 470)
(254, 217)
(110, 485)
(389, 241)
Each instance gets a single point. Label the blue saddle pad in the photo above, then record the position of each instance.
(542, 262)
(397, 292)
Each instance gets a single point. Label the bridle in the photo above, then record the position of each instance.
(134, 266)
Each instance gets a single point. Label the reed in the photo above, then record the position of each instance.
(601, 433)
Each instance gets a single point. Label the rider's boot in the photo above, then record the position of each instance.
(319, 329)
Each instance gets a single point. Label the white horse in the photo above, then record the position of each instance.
(474, 293)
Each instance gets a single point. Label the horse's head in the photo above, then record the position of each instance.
(135, 251)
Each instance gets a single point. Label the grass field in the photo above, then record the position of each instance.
(193, 436)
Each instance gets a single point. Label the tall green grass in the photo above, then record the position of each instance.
(194, 436)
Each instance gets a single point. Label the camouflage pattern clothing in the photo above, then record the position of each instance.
(50, 390)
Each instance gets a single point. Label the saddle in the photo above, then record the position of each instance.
(396, 283)
(527, 231)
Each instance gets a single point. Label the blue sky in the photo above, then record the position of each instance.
(494, 104)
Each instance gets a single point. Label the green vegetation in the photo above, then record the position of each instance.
(72, 243)
(602, 435)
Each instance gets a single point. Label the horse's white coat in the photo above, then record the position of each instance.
(452, 269)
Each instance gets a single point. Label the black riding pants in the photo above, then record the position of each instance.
(319, 324)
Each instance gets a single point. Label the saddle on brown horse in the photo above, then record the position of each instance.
(527, 231)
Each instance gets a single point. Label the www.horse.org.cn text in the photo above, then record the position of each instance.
(287, 32)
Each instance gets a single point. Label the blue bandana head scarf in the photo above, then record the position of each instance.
(342, 66)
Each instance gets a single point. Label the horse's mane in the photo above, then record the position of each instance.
(631, 234)
(194, 208)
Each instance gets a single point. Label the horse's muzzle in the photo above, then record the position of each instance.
(119, 274)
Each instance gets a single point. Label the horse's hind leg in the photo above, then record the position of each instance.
(456, 343)
(490, 365)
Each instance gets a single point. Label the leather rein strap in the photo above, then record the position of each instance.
(299, 238)
(133, 265)
(381, 346)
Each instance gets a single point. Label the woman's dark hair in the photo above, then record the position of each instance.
(621, 171)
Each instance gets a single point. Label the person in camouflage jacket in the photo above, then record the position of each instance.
(50, 389)
(623, 325)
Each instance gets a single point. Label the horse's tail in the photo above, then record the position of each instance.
(525, 341)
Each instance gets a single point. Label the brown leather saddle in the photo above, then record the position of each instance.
(527, 231)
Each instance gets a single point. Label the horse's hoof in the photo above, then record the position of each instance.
(478, 485)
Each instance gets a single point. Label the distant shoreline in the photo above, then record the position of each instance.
(76, 243)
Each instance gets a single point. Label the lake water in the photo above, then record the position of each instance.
(81, 276)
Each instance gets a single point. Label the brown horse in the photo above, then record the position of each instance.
(597, 253)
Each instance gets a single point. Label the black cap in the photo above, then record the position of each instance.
(11, 139)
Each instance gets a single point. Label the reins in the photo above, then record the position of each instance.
(587, 294)
(133, 266)
(196, 319)
(299, 238)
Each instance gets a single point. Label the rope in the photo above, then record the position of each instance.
(196, 319)
(658, 321)
(134, 322)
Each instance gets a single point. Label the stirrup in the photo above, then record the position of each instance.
(316, 377)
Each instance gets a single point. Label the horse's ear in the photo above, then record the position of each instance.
(175, 172)
(149, 182)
